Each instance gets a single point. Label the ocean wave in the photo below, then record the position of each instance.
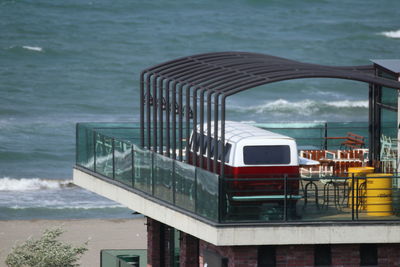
(33, 48)
(87, 207)
(391, 34)
(305, 107)
(25, 184)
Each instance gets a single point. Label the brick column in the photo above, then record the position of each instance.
(243, 256)
(345, 255)
(237, 256)
(295, 256)
(388, 255)
(189, 251)
(153, 243)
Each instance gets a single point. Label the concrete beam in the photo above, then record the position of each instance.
(242, 235)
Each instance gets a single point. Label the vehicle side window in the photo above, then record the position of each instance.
(212, 147)
(205, 140)
(197, 142)
(228, 148)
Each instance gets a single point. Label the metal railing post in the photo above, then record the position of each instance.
(221, 199)
(357, 196)
(94, 151)
(152, 173)
(77, 148)
(113, 157)
(133, 165)
(285, 217)
(195, 190)
(326, 136)
(352, 196)
(173, 182)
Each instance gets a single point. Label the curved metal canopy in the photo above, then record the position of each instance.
(174, 93)
(256, 68)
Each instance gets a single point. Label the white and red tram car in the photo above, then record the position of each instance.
(261, 156)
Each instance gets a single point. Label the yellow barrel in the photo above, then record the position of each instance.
(379, 194)
(360, 171)
(359, 184)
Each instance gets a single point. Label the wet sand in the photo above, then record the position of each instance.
(101, 234)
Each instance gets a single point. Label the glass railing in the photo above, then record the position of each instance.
(118, 158)
(318, 198)
(113, 152)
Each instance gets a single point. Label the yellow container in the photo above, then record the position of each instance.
(360, 171)
(359, 184)
(379, 194)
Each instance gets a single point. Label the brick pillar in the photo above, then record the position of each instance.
(189, 251)
(295, 255)
(153, 243)
(345, 255)
(243, 256)
(388, 255)
(237, 256)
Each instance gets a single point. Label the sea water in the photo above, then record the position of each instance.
(63, 62)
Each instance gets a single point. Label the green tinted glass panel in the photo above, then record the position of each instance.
(104, 155)
(84, 146)
(123, 162)
(388, 139)
(143, 169)
(185, 185)
(207, 194)
(389, 123)
(389, 97)
(123, 133)
(163, 177)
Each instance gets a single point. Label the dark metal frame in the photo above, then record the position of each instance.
(190, 91)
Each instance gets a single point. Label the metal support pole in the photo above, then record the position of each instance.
(209, 132)
(180, 125)
(160, 115)
(168, 116)
(326, 136)
(194, 135)
(371, 123)
(155, 103)
(187, 118)
(174, 113)
(216, 142)
(223, 103)
(201, 129)
(142, 103)
(148, 111)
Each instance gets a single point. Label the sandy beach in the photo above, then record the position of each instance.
(102, 234)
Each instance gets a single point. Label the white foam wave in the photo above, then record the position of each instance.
(305, 107)
(391, 34)
(33, 48)
(24, 184)
(348, 104)
(87, 207)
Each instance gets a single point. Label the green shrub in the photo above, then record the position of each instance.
(46, 252)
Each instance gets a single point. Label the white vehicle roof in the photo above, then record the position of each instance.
(236, 131)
